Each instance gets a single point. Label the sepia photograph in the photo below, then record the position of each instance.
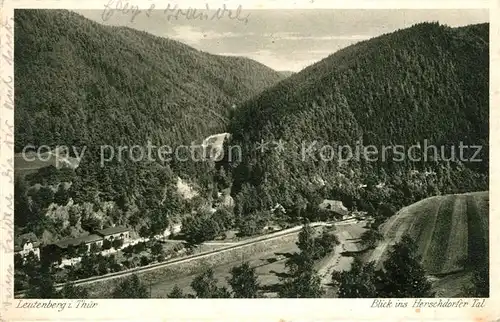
(217, 152)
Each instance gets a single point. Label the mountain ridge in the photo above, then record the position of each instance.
(81, 84)
(166, 76)
(419, 83)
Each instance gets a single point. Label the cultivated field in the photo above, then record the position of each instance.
(448, 230)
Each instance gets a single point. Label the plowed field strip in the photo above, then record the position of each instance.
(422, 229)
(428, 233)
(401, 224)
(435, 255)
(458, 237)
(478, 234)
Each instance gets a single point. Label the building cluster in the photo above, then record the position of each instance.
(26, 243)
(97, 238)
(336, 208)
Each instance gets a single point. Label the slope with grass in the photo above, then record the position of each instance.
(451, 231)
(31, 162)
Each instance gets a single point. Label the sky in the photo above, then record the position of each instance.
(285, 40)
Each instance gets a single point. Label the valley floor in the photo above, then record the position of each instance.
(269, 265)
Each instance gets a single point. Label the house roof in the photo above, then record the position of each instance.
(77, 241)
(25, 238)
(278, 207)
(334, 206)
(112, 230)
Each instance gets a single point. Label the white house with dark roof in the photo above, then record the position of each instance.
(26, 243)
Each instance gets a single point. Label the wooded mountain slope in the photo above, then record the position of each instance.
(427, 82)
(80, 82)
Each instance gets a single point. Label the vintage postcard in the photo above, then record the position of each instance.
(260, 161)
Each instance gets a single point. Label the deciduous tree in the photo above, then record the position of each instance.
(301, 279)
(358, 282)
(244, 281)
(404, 275)
(370, 238)
(130, 288)
(117, 243)
(205, 286)
(72, 291)
(176, 293)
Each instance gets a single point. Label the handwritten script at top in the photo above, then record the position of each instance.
(173, 12)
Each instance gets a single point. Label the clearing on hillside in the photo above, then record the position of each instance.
(31, 162)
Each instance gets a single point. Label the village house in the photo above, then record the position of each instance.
(337, 208)
(87, 240)
(112, 233)
(279, 209)
(26, 243)
(96, 239)
(360, 215)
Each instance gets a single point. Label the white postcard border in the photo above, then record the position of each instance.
(241, 310)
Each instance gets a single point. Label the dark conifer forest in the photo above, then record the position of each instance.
(427, 83)
(82, 84)
(79, 82)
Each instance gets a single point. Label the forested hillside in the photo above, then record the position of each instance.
(83, 84)
(428, 82)
(79, 81)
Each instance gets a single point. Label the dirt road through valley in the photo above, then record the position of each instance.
(348, 235)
